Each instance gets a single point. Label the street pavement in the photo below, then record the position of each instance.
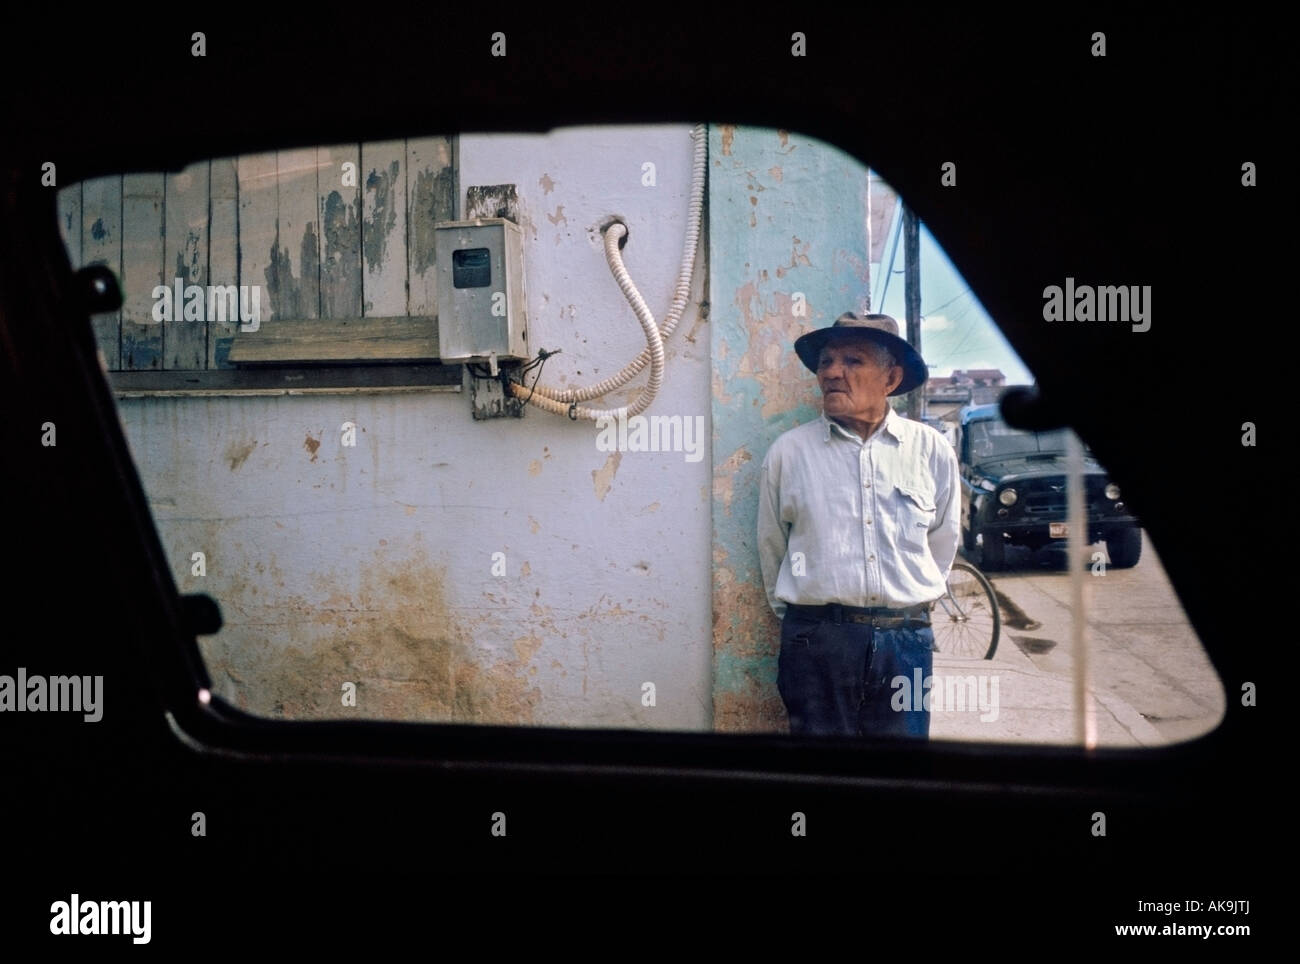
(1153, 683)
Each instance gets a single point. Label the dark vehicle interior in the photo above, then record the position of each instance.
(1067, 165)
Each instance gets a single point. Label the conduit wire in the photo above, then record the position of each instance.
(539, 363)
(564, 401)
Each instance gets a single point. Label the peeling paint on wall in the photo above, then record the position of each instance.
(376, 228)
(278, 277)
(811, 208)
(309, 258)
(603, 477)
(411, 655)
(431, 187)
(236, 453)
(493, 201)
(341, 264)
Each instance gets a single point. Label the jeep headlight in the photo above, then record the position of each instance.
(1112, 491)
(1008, 497)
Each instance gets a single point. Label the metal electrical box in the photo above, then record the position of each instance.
(482, 305)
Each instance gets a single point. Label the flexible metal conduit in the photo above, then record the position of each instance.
(565, 401)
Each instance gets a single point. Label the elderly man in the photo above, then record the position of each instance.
(858, 520)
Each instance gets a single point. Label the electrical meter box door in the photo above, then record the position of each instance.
(482, 304)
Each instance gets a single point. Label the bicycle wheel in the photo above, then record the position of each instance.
(966, 621)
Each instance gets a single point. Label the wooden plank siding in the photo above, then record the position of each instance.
(223, 255)
(430, 181)
(339, 197)
(185, 241)
(101, 243)
(298, 238)
(143, 268)
(259, 238)
(69, 205)
(383, 228)
(339, 241)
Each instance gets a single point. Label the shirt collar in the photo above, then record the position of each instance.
(892, 425)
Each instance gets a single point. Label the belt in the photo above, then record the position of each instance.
(877, 618)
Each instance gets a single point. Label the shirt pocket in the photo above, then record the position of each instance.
(916, 514)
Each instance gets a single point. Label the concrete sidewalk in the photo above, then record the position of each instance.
(1009, 700)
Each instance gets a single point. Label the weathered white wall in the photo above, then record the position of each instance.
(373, 564)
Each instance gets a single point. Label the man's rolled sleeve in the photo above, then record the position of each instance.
(773, 534)
(944, 534)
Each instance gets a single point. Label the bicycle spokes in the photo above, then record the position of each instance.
(965, 620)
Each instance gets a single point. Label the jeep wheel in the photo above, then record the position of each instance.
(968, 539)
(1124, 547)
(993, 554)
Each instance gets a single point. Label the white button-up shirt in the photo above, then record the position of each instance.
(872, 524)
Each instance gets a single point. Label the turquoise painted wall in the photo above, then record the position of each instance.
(787, 254)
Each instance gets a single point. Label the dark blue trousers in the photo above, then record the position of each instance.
(835, 678)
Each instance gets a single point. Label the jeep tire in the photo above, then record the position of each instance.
(1124, 546)
(993, 554)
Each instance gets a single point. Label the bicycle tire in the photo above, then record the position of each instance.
(955, 619)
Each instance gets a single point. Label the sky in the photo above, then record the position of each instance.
(956, 331)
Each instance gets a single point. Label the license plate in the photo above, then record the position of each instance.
(1058, 530)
